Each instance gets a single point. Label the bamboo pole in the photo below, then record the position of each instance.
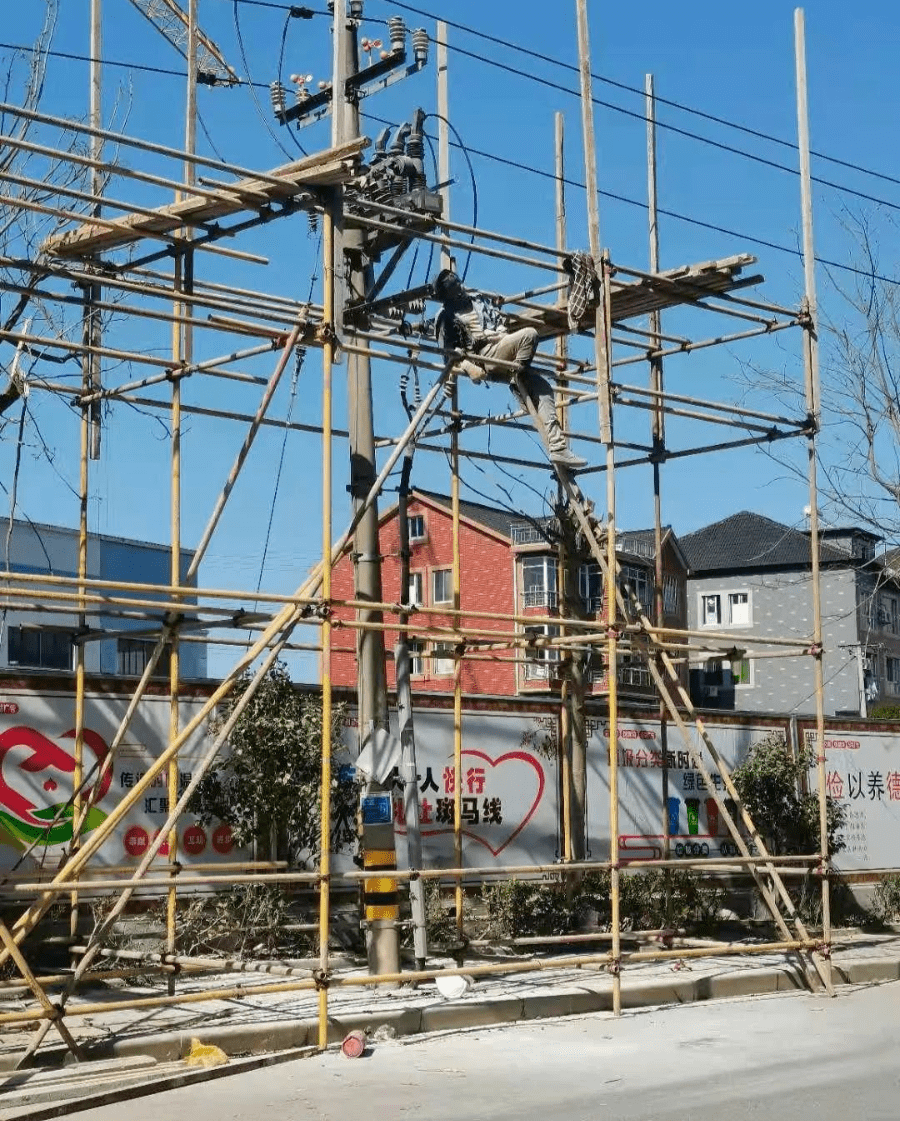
(329, 266)
(811, 377)
(511, 967)
(658, 437)
(603, 370)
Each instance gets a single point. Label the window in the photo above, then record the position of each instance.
(417, 527)
(670, 594)
(739, 608)
(711, 610)
(40, 647)
(892, 673)
(712, 673)
(639, 583)
(539, 582)
(730, 609)
(133, 654)
(415, 589)
(887, 614)
(742, 671)
(539, 658)
(442, 586)
(416, 650)
(442, 662)
(590, 586)
(633, 671)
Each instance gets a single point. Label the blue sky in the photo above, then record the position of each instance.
(733, 61)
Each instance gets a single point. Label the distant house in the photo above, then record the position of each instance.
(44, 642)
(749, 575)
(508, 566)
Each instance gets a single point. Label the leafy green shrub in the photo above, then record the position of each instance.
(885, 712)
(268, 787)
(648, 900)
(771, 784)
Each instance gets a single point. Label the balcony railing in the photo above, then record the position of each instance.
(527, 535)
(538, 597)
(634, 675)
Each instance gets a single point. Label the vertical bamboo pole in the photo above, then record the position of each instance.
(97, 183)
(604, 397)
(89, 367)
(658, 439)
(457, 668)
(811, 370)
(182, 338)
(443, 99)
(566, 563)
(328, 268)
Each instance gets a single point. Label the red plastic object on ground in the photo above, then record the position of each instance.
(354, 1044)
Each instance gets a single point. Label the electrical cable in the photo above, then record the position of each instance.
(852, 270)
(250, 86)
(793, 252)
(720, 145)
(465, 152)
(680, 106)
(298, 366)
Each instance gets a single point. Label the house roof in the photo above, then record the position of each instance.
(751, 541)
(491, 517)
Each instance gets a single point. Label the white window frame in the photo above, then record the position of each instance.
(538, 660)
(416, 648)
(726, 600)
(418, 530)
(542, 593)
(745, 601)
(706, 603)
(751, 673)
(442, 660)
(416, 589)
(445, 575)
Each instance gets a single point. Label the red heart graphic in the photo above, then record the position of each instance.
(521, 756)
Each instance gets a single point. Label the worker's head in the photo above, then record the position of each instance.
(447, 287)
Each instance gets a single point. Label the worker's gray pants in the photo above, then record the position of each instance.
(519, 347)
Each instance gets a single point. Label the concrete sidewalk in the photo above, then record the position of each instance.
(261, 1023)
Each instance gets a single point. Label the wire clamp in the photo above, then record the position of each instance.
(615, 967)
(824, 948)
(322, 979)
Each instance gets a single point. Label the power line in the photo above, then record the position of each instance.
(680, 106)
(794, 252)
(853, 270)
(718, 144)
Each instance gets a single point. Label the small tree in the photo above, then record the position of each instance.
(268, 788)
(771, 783)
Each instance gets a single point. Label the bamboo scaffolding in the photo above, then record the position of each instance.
(174, 609)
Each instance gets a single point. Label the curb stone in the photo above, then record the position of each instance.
(472, 1011)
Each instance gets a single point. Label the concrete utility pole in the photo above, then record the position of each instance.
(381, 897)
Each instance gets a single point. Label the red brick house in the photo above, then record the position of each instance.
(507, 566)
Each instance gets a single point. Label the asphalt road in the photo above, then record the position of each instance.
(781, 1058)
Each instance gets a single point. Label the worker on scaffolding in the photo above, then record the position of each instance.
(469, 321)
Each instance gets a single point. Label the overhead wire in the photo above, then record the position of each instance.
(726, 122)
(250, 86)
(674, 214)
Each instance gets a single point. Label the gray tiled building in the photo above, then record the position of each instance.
(749, 575)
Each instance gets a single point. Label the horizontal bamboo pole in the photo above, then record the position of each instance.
(365, 980)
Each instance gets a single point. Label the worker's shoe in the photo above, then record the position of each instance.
(565, 457)
(470, 369)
